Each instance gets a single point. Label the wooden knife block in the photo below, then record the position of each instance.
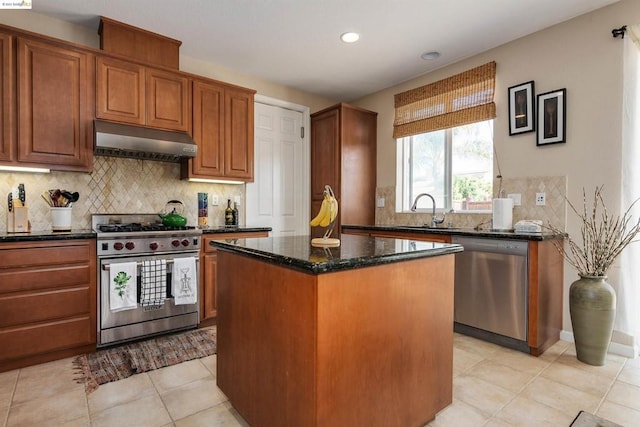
(18, 220)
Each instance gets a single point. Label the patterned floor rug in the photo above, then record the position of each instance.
(116, 363)
(585, 419)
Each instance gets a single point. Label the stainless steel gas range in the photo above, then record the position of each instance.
(149, 250)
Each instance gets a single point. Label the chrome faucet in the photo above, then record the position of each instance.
(434, 219)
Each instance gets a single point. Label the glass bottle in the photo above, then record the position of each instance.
(235, 213)
(228, 214)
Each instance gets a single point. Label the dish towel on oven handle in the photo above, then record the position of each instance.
(184, 281)
(154, 283)
(123, 286)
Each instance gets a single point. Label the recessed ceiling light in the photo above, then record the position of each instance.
(430, 55)
(349, 37)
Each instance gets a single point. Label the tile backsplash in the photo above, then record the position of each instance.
(553, 212)
(118, 185)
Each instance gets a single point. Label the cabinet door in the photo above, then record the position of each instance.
(325, 153)
(209, 265)
(7, 92)
(208, 130)
(168, 100)
(55, 93)
(238, 149)
(120, 91)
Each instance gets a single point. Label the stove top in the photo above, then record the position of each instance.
(139, 226)
(141, 234)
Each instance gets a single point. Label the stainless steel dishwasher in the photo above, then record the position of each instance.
(491, 290)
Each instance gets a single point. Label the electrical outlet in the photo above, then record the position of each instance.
(236, 200)
(380, 202)
(516, 197)
(214, 201)
(541, 199)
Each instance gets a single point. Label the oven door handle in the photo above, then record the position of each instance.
(107, 267)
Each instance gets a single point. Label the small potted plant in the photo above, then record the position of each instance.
(592, 301)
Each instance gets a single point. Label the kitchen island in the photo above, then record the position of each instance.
(359, 334)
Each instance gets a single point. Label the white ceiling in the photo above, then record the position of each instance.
(296, 42)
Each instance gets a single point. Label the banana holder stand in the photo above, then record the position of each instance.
(326, 240)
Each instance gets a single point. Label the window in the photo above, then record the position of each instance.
(454, 165)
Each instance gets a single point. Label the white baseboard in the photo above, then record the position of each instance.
(630, 351)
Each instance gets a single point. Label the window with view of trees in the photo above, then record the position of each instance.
(445, 141)
(454, 165)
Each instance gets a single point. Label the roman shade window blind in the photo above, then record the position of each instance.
(455, 101)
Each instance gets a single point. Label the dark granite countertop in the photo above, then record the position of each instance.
(354, 251)
(499, 234)
(47, 235)
(233, 229)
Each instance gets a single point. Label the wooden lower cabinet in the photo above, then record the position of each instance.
(47, 301)
(208, 272)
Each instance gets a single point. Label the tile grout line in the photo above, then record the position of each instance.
(615, 380)
(13, 392)
(536, 376)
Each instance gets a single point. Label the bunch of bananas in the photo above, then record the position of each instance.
(328, 210)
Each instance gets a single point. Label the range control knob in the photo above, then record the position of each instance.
(175, 243)
(153, 246)
(118, 246)
(129, 245)
(185, 242)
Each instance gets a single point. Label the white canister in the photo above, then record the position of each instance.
(61, 219)
(503, 214)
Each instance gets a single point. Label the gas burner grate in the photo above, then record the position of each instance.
(137, 227)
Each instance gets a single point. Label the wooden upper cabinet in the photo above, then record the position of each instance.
(238, 134)
(325, 153)
(208, 129)
(55, 105)
(120, 88)
(132, 93)
(168, 100)
(7, 93)
(223, 130)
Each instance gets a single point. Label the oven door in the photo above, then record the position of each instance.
(109, 319)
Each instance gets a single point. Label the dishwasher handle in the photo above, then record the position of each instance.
(499, 246)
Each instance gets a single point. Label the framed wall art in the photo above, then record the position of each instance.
(552, 114)
(521, 108)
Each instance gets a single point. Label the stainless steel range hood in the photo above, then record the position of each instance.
(121, 140)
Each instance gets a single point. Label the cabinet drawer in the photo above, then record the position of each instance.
(38, 339)
(44, 278)
(43, 306)
(43, 255)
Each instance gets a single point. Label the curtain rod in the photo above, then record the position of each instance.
(619, 31)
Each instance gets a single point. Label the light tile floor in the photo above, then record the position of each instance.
(493, 387)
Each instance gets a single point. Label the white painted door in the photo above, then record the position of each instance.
(279, 196)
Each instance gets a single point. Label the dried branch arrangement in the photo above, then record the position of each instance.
(604, 237)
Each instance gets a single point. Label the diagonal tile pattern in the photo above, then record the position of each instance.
(493, 387)
(118, 185)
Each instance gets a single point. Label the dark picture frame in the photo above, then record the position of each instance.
(522, 110)
(552, 117)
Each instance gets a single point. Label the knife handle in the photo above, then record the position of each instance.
(22, 195)
(10, 202)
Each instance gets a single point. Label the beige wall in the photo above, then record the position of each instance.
(580, 55)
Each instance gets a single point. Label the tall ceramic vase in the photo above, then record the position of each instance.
(592, 304)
